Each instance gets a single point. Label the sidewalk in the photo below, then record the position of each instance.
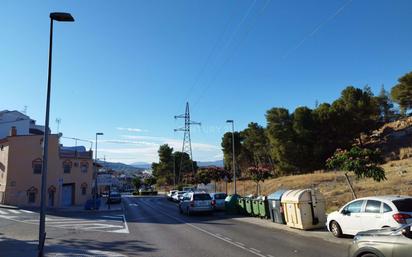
(104, 207)
(8, 206)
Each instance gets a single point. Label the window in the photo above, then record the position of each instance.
(404, 204)
(67, 166)
(201, 197)
(373, 206)
(37, 166)
(32, 197)
(354, 207)
(31, 194)
(386, 208)
(84, 166)
(83, 188)
(220, 196)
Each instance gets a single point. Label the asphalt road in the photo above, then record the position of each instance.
(157, 221)
(154, 227)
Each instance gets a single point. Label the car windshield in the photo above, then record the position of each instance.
(201, 197)
(404, 205)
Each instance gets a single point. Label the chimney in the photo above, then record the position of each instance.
(13, 131)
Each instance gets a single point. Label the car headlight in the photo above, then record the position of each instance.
(355, 239)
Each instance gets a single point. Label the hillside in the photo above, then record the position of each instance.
(333, 184)
(121, 167)
(395, 141)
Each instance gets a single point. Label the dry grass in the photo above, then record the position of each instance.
(333, 184)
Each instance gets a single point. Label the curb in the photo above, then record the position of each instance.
(8, 207)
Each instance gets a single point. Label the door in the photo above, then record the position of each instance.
(402, 245)
(67, 195)
(349, 220)
(51, 198)
(371, 218)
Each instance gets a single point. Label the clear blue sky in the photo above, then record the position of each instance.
(126, 68)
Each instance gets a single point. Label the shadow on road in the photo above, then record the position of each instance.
(11, 247)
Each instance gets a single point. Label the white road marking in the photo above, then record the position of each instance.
(227, 238)
(3, 212)
(125, 229)
(256, 250)
(270, 255)
(26, 211)
(209, 233)
(8, 217)
(15, 211)
(239, 243)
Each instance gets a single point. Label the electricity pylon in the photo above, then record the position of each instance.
(187, 143)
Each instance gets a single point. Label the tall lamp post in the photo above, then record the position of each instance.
(233, 152)
(95, 171)
(63, 17)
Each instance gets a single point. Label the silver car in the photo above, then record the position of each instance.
(195, 202)
(218, 200)
(387, 242)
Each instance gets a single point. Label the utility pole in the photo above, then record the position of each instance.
(187, 143)
(233, 154)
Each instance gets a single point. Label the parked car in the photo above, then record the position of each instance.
(218, 200)
(370, 213)
(387, 242)
(177, 196)
(115, 197)
(170, 194)
(188, 189)
(196, 202)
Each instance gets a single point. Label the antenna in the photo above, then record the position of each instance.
(187, 143)
(58, 121)
(24, 110)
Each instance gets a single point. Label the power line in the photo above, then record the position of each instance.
(317, 28)
(211, 53)
(229, 56)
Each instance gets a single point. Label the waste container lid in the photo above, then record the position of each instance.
(276, 195)
(300, 195)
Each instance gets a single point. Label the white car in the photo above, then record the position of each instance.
(370, 213)
(177, 196)
(170, 194)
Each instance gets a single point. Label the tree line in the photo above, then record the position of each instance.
(302, 141)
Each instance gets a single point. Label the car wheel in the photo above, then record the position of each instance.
(180, 210)
(187, 211)
(335, 229)
(368, 255)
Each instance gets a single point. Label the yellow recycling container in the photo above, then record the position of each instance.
(304, 208)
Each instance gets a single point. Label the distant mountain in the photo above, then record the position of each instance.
(118, 166)
(142, 165)
(145, 165)
(211, 163)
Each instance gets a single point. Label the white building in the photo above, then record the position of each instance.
(22, 123)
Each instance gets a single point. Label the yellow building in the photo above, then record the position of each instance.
(69, 173)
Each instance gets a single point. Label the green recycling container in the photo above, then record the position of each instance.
(248, 205)
(231, 203)
(264, 207)
(241, 205)
(255, 207)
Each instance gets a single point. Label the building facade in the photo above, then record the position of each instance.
(69, 172)
(23, 124)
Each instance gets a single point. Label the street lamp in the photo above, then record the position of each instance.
(95, 170)
(233, 152)
(63, 17)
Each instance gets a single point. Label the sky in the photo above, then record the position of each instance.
(126, 68)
